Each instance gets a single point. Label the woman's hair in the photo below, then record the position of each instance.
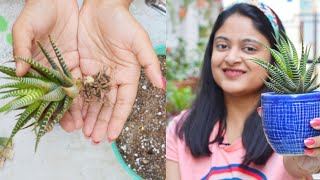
(209, 107)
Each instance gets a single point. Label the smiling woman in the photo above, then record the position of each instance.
(221, 135)
(235, 41)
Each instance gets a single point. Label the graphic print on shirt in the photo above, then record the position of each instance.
(234, 172)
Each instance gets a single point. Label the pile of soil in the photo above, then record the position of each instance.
(142, 141)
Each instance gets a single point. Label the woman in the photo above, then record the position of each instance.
(221, 136)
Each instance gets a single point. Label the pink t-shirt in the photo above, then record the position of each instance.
(224, 163)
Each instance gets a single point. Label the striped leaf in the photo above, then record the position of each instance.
(21, 101)
(275, 72)
(49, 58)
(60, 59)
(47, 72)
(18, 92)
(310, 71)
(37, 83)
(18, 85)
(12, 72)
(66, 105)
(273, 87)
(55, 95)
(304, 60)
(311, 82)
(24, 118)
(43, 122)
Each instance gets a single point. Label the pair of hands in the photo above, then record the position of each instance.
(102, 33)
(310, 162)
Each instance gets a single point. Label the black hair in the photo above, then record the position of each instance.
(209, 108)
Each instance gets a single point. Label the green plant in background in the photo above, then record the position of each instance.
(45, 95)
(179, 66)
(289, 75)
(178, 99)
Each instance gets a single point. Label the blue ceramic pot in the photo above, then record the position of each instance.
(286, 120)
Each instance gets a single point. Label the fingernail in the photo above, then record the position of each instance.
(315, 122)
(110, 140)
(309, 142)
(95, 143)
(164, 83)
(308, 151)
(259, 111)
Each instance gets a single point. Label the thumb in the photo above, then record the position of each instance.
(22, 37)
(149, 60)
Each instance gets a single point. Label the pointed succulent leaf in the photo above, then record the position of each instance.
(272, 87)
(284, 53)
(310, 71)
(39, 113)
(12, 72)
(277, 56)
(18, 85)
(293, 51)
(24, 118)
(22, 101)
(310, 83)
(60, 59)
(55, 95)
(18, 92)
(63, 79)
(275, 72)
(303, 60)
(280, 85)
(66, 105)
(314, 87)
(43, 122)
(47, 72)
(49, 58)
(41, 84)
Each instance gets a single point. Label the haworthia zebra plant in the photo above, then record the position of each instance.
(289, 74)
(45, 95)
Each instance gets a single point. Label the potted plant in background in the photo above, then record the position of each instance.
(178, 99)
(287, 112)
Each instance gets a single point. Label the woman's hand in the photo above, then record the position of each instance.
(37, 20)
(110, 36)
(304, 166)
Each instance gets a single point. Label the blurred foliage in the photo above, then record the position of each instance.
(178, 99)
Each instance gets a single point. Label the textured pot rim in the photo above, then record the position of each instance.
(272, 96)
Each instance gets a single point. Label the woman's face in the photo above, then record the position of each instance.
(236, 41)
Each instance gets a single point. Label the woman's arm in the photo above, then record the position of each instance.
(172, 170)
(292, 167)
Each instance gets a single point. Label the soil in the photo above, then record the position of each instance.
(142, 141)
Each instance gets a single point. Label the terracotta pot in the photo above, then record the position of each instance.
(190, 82)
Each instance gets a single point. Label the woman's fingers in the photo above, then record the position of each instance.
(101, 125)
(315, 123)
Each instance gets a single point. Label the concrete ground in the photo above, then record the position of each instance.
(61, 155)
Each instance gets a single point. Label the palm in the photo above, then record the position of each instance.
(60, 21)
(105, 41)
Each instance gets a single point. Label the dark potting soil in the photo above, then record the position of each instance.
(142, 140)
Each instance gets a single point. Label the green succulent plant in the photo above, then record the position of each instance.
(289, 73)
(44, 95)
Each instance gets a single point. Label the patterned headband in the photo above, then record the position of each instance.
(271, 16)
